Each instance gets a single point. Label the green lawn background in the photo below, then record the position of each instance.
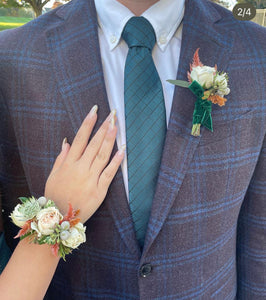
(12, 22)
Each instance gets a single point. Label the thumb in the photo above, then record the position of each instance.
(62, 155)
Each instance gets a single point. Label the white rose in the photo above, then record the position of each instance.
(203, 75)
(48, 218)
(77, 236)
(17, 217)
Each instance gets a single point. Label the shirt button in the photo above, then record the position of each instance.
(162, 39)
(145, 270)
(112, 39)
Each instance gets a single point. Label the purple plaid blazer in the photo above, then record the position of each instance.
(206, 235)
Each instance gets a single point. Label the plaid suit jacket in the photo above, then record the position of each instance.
(206, 234)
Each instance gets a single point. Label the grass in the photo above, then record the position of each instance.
(12, 22)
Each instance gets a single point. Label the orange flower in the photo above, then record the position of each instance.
(215, 99)
(55, 249)
(195, 63)
(25, 229)
(196, 60)
(71, 216)
(74, 222)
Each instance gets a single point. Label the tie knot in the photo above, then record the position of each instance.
(139, 32)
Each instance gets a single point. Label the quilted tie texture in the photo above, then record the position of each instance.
(145, 121)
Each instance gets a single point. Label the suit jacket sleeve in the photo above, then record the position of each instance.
(251, 240)
(13, 183)
(4, 249)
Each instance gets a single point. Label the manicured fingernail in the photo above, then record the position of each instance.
(111, 115)
(122, 149)
(112, 119)
(64, 143)
(93, 111)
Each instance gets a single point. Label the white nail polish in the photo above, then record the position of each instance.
(112, 115)
(64, 143)
(93, 111)
(112, 119)
(122, 149)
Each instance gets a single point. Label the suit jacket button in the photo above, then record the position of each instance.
(145, 270)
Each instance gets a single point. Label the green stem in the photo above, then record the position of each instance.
(195, 130)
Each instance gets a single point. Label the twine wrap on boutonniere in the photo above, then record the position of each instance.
(209, 86)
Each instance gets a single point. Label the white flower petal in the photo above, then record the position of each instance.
(203, 75)
(18, 217)
(34, 227)
(48, 218)
(77, 236)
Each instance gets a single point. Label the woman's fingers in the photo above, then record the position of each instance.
(81, 139)
(62, 156)
(82, 171)
(96, 142)
(109, 172)
(104, 153)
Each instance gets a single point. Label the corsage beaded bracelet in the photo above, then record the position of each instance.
(41, 221)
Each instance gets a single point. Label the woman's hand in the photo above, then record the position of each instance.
(81, 174)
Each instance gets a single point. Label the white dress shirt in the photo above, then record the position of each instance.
(165, 16)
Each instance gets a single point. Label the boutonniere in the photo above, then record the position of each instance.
(209, 86)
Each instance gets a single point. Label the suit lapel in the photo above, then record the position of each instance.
(74, 48)
(198, 32)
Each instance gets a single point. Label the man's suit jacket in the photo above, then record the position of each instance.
(206, 234)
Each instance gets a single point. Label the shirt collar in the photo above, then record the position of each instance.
(165, 17)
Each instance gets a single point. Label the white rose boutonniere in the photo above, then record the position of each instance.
(209, 86)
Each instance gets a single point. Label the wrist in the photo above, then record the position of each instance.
(41, 250)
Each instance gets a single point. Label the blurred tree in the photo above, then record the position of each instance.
(256, 3)
(37, 5)
(11, 6)
(224, 3)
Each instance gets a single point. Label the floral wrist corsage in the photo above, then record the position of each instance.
(209, 86)
(41, 221)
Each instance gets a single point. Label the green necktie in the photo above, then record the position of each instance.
(145, 121)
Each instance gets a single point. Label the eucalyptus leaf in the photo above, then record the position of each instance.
(181, 83)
